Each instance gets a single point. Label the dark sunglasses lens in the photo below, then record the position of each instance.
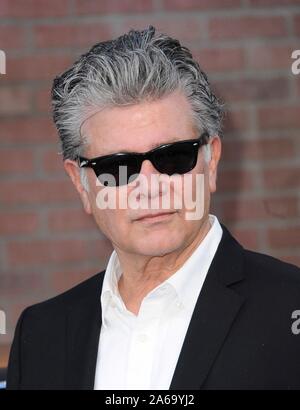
(177, 159)
(117, 171)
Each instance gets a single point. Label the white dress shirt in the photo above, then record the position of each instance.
(141, 352)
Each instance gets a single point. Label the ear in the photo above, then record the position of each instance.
(216, 148)
(72, 169)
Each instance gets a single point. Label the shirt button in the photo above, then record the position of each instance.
(179, 305)
(142, 338)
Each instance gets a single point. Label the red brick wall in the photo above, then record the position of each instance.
(47, 244)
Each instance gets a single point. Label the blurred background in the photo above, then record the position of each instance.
(47, 243)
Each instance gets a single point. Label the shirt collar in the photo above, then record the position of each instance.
(187, 281)
(110, 288)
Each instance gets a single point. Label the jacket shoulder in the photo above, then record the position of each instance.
(84, 291)
(265, 267)
(272, 281)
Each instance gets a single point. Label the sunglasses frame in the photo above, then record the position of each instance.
(142, 156)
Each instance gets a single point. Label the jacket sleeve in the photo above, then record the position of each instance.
(14, 370)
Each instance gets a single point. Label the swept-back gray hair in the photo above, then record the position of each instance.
(137, 66)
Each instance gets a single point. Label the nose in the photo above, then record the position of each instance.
(148, 168)
(148, 180)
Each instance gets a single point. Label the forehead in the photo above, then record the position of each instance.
(139, 127)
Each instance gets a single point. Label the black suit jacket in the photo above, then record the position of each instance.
(240, 335)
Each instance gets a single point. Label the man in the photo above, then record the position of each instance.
(181, 304)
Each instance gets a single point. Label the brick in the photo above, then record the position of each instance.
(297, 24)
(64, 279)
(100, 250)
(33, 8)
(59, 252)
(234, 180)
(278, 117)
(40, 252)
(42, 100)
(199, 4)
(236, 120)
(293, 259)
(12, 37)
(71, 35)
(14, 223)
(37, 67)
(113, 6)
(4, 355)
(252, 89)
(15, 100)
(270, 57)
(282, 177)
(36, 192)
(52, 161)
(258, 149)
(28, 130)
(273, 3)
(247, 237)
(259, 209)
(16, 161)
(187, 29)
(246, 27)
(12, 282)
(220, 59)
(66, 220)
(284, 237)
(282, 208)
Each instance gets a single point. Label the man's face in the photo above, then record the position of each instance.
(140, 128)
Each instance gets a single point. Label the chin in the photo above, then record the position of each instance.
(161, 245)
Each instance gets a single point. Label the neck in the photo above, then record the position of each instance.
(141, 275)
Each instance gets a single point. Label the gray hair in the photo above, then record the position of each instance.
(135, 67)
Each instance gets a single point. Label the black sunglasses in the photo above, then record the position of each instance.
(174, 158)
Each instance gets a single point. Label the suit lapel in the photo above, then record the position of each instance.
(214, 314)
(83, 331)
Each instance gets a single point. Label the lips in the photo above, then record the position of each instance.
(154, 216)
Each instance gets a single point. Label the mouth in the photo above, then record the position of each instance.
(159, 217)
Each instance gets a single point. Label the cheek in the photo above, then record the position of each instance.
(195, 182)
(113, 223)
(194, 194)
